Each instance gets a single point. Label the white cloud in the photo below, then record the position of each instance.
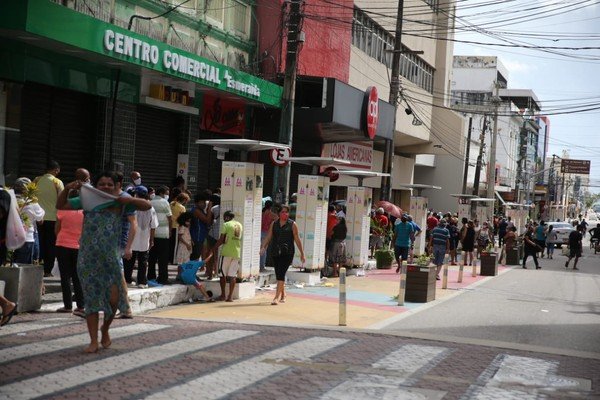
(515, 66)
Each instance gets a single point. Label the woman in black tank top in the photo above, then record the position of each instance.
(284, 233)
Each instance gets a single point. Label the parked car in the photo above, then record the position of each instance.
(562, 229)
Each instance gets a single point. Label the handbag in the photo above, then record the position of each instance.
(565, 251)
(282, 249)
(15, 231)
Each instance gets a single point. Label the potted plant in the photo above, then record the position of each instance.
(420, 280)
(24, 281)
(384, 258)
(489, 262)
(423, 260)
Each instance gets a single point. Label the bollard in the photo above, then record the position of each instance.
(445, 276)
(342, 297)
(460, 272)
(474, 270)
(402, 290)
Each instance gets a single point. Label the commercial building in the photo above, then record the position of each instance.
(346, 50)
(178, 73)
(479, 91)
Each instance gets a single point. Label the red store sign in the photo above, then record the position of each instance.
(371, 110)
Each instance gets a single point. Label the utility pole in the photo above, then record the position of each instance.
(388, 155)
(467, 155)
(281, 176)
(479, 162)
(491, 181)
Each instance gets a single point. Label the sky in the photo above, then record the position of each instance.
(561, 83)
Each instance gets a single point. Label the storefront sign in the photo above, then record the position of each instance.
(371, 111)
(360, 154)
(223, 115)
(62, 24)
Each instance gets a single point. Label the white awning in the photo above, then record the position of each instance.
(363, 174)
(500, 198)
(241, 144)
(318, 161)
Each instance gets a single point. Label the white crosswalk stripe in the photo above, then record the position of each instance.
(228, 380)
(49, 346)
(514, 377)
(24, 327)
(405, 364)
(87, 372)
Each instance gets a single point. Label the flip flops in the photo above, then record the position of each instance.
(6, 318)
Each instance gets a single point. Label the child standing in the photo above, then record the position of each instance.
(184, 239)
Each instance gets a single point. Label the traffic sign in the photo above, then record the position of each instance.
(332, 173)
(568, 166)
(279, 156)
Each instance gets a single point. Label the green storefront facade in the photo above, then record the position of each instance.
(59, 71)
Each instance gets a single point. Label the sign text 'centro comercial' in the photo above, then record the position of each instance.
(149, 53)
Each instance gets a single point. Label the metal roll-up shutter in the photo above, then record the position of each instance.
(209, 166)
(57, 125)
(35, 130)
(156, 142)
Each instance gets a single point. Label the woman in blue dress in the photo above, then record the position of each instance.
(98, 262)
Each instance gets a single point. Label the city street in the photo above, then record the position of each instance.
(523, 334)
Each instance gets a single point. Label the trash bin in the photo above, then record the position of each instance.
(23, 286)
(513, 255)
(489, 264)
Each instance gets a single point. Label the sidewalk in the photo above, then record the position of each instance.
(371, 301)
(306, 305)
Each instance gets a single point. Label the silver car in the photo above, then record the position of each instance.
(563, 230)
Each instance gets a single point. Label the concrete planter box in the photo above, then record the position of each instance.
(24, 286)
(489, 264)
(420, 284)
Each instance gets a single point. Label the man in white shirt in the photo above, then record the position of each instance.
(143, 241)
(160, 251)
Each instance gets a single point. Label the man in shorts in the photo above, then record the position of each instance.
(229, 262)
(439, 242)
(402, 234)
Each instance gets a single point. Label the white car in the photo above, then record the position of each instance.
(562, 229)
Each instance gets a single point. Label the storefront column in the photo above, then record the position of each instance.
(418, 211)
(123, 141)
(187, 145)
(358, 222)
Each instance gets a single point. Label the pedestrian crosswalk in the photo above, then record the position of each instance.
(223, 382)
(50, 346)
(397, 369)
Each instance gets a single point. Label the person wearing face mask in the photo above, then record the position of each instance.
(99, 266)
(284, 233)
(136, 180)
(160, 251)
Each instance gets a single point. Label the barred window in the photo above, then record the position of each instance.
(377, 42)
(238, 17)
(214, 9)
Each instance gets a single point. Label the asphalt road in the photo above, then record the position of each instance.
(553, 308)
